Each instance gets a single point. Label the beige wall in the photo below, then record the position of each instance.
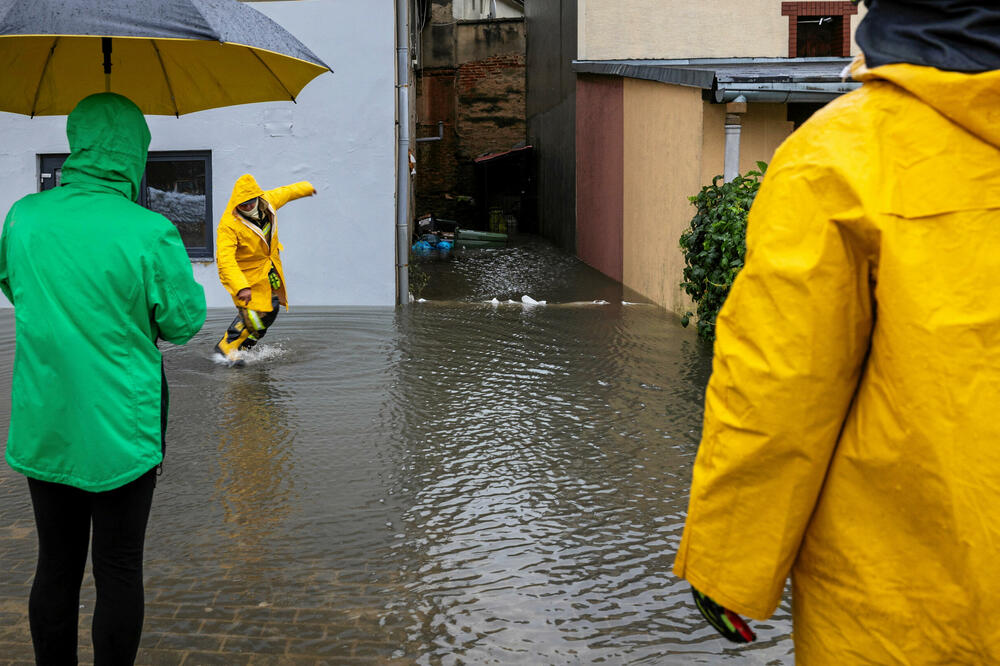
(713, 141)
(674, 143)
(667, 29)
(662, 163)
(764, 128)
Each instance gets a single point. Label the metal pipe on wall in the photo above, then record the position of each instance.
(731, 164)
(402, 151)
(734, 128)
(433, 138)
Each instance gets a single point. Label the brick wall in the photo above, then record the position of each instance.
(436, 163)
(482, 103)
(490, 110)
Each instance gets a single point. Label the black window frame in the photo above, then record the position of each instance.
(51, 163)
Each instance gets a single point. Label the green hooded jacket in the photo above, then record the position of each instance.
(95, 279)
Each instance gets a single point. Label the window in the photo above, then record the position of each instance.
(819, 29)
(819, 36)
(178, 185)
(473, 10)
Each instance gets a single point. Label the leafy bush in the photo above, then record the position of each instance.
(715, 244)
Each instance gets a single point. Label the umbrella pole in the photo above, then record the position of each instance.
(106, 48)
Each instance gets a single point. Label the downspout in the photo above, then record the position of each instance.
(734, 127)
(402, 151)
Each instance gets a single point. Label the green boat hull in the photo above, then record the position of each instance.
(468, 234)
(471, 243)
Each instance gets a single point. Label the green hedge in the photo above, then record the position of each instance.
(715, 244)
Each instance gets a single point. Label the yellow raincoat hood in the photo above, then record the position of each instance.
(850, 436)
(244, 189)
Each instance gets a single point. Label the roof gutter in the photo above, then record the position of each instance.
(719, 86)
(780, 93)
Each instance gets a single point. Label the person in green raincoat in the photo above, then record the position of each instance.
(851, 437)
(96, 280)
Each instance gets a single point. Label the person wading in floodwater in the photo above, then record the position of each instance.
(851, 436)
(249, 260)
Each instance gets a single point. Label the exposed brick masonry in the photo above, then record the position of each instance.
(470, 74)
(487, 114)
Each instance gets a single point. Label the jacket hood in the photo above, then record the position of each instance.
(108, 142)
(955, 35)
(246, 188)
(968, 100)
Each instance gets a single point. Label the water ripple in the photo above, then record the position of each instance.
(474, 484)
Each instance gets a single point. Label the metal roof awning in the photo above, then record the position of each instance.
(775, 80)
(492, 156)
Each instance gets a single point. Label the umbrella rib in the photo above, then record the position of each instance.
(45, 69)
(166, 78)
(271, 72)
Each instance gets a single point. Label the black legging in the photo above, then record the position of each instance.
(63, 517)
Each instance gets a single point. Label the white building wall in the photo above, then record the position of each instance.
(339, 245)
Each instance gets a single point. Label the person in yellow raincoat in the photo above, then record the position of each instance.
(851, 436)
(248, 256)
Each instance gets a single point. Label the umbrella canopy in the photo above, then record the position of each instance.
(168, 56)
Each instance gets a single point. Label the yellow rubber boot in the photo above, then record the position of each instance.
(229, 346)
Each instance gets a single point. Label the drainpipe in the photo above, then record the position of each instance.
(734, 126)
(402, 151)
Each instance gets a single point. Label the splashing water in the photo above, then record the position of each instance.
(260, 353)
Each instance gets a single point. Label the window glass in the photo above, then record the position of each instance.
(51, 166)
(176, 187)
(819, 36)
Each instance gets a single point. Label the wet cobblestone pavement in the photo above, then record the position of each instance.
(192, 619)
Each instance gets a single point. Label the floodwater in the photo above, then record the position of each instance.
(450, 482)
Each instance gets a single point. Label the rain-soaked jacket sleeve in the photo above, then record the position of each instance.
(4, 275)
(791, 341)
(231, 276)
(176, 299)
(279, 196)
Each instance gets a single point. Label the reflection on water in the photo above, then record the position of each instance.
(256, 475)
(456, 482)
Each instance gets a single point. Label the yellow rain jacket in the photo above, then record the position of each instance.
(243, 253)
(852, 421)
